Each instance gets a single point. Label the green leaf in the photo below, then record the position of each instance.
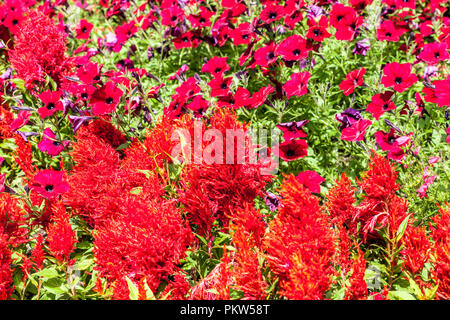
(134, 291)
(401, 295)
(402, 228)
(123, 146)
(136, 190)
(48, 273)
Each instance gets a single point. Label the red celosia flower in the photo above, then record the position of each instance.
(23, 157)
(38, 253)
(398, 76)
(52, 103)
(311, 180)
(341, 200)
(49, 183)
(293, 149)
(216, 66)
(300, 244)
(416, 249)
(6, 274)
(39, 50)
(318, 29)
(60, 235)
(13, 219)
(293, 48)
(357, 131)
(297, 85)
(353, 79)
(105, 99)
(381, 103)
(49, 143)
(388, 31)
(358, 286)
(83, 30)
(147, 238)
(440, 235)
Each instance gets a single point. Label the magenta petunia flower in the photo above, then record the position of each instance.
(442, 92)
(20, 121)
(50, 183)
(297, 85)
(292, 130)
(84, 29)
(357, 131)
(49, 143)
(310, 180)
(434, 52)
(380, 104)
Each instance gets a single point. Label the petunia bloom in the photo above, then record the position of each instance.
(105, 99)
(52, 103)
(357, 131)
(84, 29)
(381, 103)
(293, 149)
(50, 183)
(49, 143)
(297, 85)
(398, 76)
(310, 180)
(354, 79)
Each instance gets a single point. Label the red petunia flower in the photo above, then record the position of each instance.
(243, 34)
(220, 86)
(310, 180)
(90, 73)
(293, 48)
(84, 29)
(203, 19)
(434, 52)
(272, 12)
(442, 92)
(49, 183)
(380, 104)
(398, 76)
(105, 99)
(52, 103)
(318, 29)
(266, 55)
(260, 96)
(20, 121)
(357, 131)
(354, 78)
(293, 149)
(292, 130)
(388, 141)
(388, 31)
(171, 16)
(216, 66)
(297, 85)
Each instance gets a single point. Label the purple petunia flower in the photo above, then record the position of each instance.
(348, 117)
(273, 201)
(361, 47)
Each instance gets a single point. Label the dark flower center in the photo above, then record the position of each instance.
(436, 55)
(317, 32)
(398, 80)
(202, 20)
(84, 96)
(184, 39)
(296, 52)
(272, 15)
(173, 18)
(388, 34)
(338, 18)
(50, 106)
(270, 55)
(245, 36)
(217, 70)
(223, 86)
(56, 143)
(109, 100)
(391, 140)
(96, 78)
(290, 153)
(49, 188)
(84, 30)
(15, 21)
(385, 106)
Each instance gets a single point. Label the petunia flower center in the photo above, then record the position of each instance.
(109, 100)
(49, 188)
(398, 80)
(50, 106)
